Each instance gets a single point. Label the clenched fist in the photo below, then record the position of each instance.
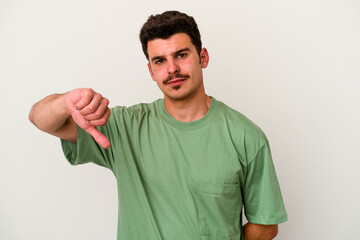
(89, 109)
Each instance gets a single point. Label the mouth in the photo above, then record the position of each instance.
(176, 81)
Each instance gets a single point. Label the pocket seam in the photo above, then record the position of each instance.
(225, 191)
(217, 189)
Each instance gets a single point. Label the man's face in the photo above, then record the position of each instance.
(176, 66)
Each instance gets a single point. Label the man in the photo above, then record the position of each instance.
(186, 164)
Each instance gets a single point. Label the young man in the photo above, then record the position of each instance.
(186, 164)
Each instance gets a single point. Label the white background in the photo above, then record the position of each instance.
(290, 66)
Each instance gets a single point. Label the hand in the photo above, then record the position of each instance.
(89, 109)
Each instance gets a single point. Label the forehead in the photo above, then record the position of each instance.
(160, 47)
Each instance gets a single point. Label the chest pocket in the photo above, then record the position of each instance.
(219, 207)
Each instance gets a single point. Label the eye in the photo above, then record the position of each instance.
(159, 61)
(181, 55)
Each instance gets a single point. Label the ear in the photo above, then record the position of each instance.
(204, 58)
(151, 72)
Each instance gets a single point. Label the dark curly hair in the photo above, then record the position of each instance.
(167, 24)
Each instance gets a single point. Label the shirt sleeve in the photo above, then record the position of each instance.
(86, 150)
(263, 201)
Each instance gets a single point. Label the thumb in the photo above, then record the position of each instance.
(84, 124)
(100, 138)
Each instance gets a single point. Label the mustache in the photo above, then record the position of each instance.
(176, 75)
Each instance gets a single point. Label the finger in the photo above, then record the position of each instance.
(80, 120)
(100, 138)
(103, 120)
(100, 111)
(92, 105)
(86, 95)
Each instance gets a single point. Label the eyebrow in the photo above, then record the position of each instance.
(176, 53)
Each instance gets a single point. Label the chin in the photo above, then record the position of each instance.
(178, 97)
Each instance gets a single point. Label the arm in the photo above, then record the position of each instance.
(259, 232)
(58, 114)
(51, 115)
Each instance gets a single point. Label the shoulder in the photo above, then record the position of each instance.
(246, 135)
(238, 122)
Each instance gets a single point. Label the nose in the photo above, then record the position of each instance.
(173, 67)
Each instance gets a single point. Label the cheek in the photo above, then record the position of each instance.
(191, 65)
(158, 76)
(189, 62)
(158, 70)
(155, 75)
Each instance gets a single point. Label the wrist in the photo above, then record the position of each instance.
(64, 103)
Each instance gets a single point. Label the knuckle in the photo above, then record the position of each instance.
(88, 92)
(102, 122)
(97, 114)
(98, 95)
(99, 122)
(91, 108)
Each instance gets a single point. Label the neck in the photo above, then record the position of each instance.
(189, 109)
